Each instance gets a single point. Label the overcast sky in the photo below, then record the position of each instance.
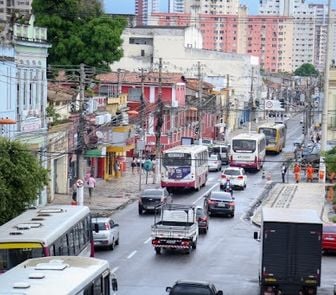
(127, 6)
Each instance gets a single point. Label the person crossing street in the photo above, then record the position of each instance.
(297, 172)
(310, 173)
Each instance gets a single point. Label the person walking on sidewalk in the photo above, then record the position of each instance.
(310, 173)
(133, 164)
(74, 193)
(91, 183)
(283, 172)
(297, 172)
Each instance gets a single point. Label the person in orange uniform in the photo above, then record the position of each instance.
(310, 173)
(297, 172)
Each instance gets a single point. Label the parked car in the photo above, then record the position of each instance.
(236, 175)
(193, 288)
(202, 219)
(329, 237)
(214, 162)
(311, 154)
(105, 232)
(149, 199)
(219, 202)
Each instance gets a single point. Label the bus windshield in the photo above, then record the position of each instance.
(176, 159)
(244, 145)
(270, 133)
(12, 255)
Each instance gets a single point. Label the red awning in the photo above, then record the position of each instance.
(7, 121)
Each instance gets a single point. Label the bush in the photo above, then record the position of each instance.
(334, 219)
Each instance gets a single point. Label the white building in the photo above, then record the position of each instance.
(144, 10)
(176, 6)
(212, 7)
(7, 8)
(31, 50)
(144, 46)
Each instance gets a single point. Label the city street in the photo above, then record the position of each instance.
(227, 255)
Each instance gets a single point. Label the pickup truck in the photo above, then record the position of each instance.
(175, 227)
(290, 251)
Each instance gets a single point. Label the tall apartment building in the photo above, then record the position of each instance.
(9, 7)
(176, 6)
(304, 20)
(144, 10)
(213, 7)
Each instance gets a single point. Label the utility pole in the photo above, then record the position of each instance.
(227, 104)
(142, 110)
(159, 126)
(251, 102)
(324, 125)
(200, 103)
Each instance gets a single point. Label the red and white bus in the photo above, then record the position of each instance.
(248, 150)
(46, 231)
(184, 166)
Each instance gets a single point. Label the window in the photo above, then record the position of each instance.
(142, 52)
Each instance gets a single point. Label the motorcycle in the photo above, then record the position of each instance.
(228, 187)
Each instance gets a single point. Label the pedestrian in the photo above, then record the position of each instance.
(133, 164)
(297, 172)
(91, 183)
(74, 193)
(142, 164)
(310, 173)
(318, 138)
(283, 172)
(138, 164)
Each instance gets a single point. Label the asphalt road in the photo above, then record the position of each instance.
(227, 255)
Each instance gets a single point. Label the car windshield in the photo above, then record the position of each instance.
(152, 193)
(231, 172)
(213, 157)
(190, 290)
(222, 196)
(329, 229)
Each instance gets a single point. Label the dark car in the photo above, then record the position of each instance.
(311, 154)
(193, 288)
(219, 202)
(149, 199)
(202, 219)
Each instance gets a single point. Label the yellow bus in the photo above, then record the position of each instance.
(275, 136)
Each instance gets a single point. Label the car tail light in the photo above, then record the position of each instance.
(240, 177)
(211, 202)
(203, 219)
(107, 226)
(185, 242)
(155, 242)
(223, 176)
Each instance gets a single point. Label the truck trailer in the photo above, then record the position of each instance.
(290, 244)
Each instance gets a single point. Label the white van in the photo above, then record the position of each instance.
(223, 151)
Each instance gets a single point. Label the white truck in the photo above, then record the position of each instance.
(175, 228)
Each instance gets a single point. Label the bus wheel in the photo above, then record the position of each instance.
(158, 251)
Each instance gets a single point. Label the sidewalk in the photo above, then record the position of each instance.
(110, 196)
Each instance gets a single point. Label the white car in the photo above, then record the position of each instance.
(236, 176)
(105, 232)
(214, 162)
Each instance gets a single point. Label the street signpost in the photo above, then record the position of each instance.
(80, 192)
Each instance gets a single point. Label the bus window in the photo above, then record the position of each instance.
(244, 145)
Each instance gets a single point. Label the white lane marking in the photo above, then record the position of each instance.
(131, 255)
(114, 270)
(209, 190)
(147, 241)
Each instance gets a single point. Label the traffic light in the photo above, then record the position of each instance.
(303, 129)
(282, 103)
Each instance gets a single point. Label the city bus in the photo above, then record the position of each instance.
(184, 166)
(71, 275)
(248, 150)
(46, 231)
(275, 136)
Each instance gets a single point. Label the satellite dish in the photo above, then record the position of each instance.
(99, 134)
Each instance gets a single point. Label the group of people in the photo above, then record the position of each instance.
(297, 172)
(137, 164)
(90, 184)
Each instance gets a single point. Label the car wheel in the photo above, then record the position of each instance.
(140, 210)
(112, 245)
(117, 242)
(205, 230)
(231, 215)
(194, 245)
(158, 251)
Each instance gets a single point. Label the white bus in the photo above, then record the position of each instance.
(70, 275)
(248, 150)
(184, 166)
(46, 231)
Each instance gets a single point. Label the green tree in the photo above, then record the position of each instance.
(21, 178)
(306, 70)
(79, 32)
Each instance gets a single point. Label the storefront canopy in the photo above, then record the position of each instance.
(96, 153)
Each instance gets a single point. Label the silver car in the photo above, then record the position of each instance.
(105, 232)
(214, 162)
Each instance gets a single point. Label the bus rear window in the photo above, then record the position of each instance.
(176, 159)
(244, 145)
(12, 255)
(269, 132)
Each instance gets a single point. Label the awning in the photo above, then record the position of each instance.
(120, 149)
(96, 153)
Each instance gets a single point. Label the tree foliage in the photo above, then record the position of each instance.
(330, 159)
(79, 32)
(306, 70)
(21, 178)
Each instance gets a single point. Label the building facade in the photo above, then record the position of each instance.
(31, 50)
(144, 10)
(8, 8)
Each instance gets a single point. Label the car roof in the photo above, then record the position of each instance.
(187, 282)
(233, 168)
